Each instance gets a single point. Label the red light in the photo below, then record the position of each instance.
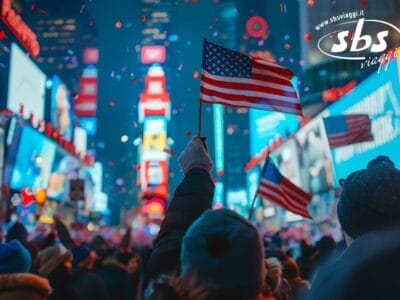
(90, 56)
(257, 27)
(153, 54)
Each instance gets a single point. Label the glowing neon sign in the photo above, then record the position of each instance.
(19, 28)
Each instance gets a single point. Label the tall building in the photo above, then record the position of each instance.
(64, 29)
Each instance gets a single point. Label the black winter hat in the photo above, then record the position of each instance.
(370, 199)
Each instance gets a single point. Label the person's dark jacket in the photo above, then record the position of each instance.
(118, 281)
(60, 281)
(23, 286)
(88, 285)
(367, 269)
(64, 234)
(192, 197)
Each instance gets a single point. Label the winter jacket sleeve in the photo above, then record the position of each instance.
(192, 197)
(64, 235)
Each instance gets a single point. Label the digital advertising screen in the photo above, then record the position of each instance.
(61, 113)
(154, 178)
(379, 97)
(58, 177)
(155, 138)
(237, 201)
(33, 160)
(286, 159)
(265, 126)
(314, 158)
(26, 85)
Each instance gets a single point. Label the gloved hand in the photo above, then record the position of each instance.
(195, 156)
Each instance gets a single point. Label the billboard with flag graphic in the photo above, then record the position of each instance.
(379, 97)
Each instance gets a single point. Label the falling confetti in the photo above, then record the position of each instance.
(180, 67)
(188, 133)
(364, 3)
(308, 37)
(170, 152)
(195, 74)
(310, 2)
(282, 7)
(82, 7)
(118, 24)
(220, 173)
(111, 103)
(43, 12)
(287, 46)
(33, 6)
(2, 35)
(143, 18)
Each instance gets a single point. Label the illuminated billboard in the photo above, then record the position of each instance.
(236, 200)
(26, 85)
(379, 97)
(154, 179)
(154, 139)
(314, 158)
(154, 101)
(85, 103)
(152, 54)
(60, 115)
(266, 126)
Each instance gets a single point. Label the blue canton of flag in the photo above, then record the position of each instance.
(281, 191)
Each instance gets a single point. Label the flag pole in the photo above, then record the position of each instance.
(252, 206)
(201, 102)
(200, 118)
(251, 211)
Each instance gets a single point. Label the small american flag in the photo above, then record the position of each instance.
(348, 129)
(278, 189)
(234, 79)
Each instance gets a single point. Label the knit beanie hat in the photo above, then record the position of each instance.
(225, 254)
(14, 258)
(79, 253)
(51, 258)
(370, 199)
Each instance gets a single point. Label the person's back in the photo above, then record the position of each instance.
(369, 212)
(116, 277)
(368, 270)
(88, 285)
(85, 282)
(15, 281)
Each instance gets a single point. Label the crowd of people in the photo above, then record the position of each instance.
(205, 254)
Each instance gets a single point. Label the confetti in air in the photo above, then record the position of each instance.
(308, 37)
(170, 152)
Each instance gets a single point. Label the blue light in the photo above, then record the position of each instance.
(219, 137)
(49, 83)
(173, 38)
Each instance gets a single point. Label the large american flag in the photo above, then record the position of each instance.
(234, 79)
(277, 189)
(348, 129)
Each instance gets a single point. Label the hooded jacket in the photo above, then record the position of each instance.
(23, 286)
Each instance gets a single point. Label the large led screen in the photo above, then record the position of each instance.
(26, 85)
